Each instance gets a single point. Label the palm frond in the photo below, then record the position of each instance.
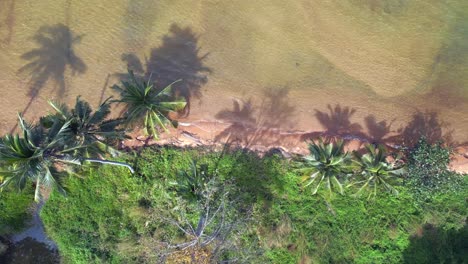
(328, 162)
(376, 172)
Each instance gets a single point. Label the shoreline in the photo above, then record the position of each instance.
(216, 134)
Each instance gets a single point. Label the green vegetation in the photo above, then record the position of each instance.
(428, 173)
(376, 172)
(143, 103)
(330, 166)
(326, 164)
(112, 216)
(202, 206)
(87, 128)
(57, 144)
(14, 212)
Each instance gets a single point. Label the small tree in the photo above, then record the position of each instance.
(206, 216)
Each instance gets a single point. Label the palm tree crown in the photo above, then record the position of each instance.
(142, 102)
(59, 142)
(376, 172)
(326, 163)
(88, 128)
(35, 156)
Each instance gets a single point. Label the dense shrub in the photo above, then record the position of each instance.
(428, 173)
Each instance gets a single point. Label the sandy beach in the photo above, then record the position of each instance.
(216, 134)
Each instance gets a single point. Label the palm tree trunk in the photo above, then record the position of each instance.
(111, 163)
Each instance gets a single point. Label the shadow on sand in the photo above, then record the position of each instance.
(424, 124)
(8, 7)
(50, 60)
(252, 125)
(337, 123)
(177, 58)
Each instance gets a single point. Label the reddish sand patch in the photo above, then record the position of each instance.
(217, 134)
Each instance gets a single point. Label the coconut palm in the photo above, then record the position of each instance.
(326, 165)
(40, 155)
(376, 172)
(88, 128)
(207, 193)
(144, 103)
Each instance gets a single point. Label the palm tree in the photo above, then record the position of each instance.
(40, 155)
(376, 172)
(142, 102)
(326, 164)
(88, 128)
(203, 189)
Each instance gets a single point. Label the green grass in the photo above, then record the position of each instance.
(14, 213)
(111, 216)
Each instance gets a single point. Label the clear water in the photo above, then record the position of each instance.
(389, 60)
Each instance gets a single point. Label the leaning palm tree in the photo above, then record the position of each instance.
(92, 129)
(143, 103)
(376, 172)
(40, 156)
(326, 164)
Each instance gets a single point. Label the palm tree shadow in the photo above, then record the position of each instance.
(424, 124)
(134, 64)
(50, 60)
(256, 125)
(9, 21)
(337, 122)
(241, 118)
(377, 130)
(177, 58)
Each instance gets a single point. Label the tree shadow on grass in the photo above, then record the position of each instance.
(177, 58)
(436, 245)
(257, 178)
(250, 125)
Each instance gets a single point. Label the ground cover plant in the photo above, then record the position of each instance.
(14, 210)
(428, 173)
(116, 217)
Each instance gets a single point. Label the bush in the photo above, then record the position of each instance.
(14, 210)
(428, 173)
